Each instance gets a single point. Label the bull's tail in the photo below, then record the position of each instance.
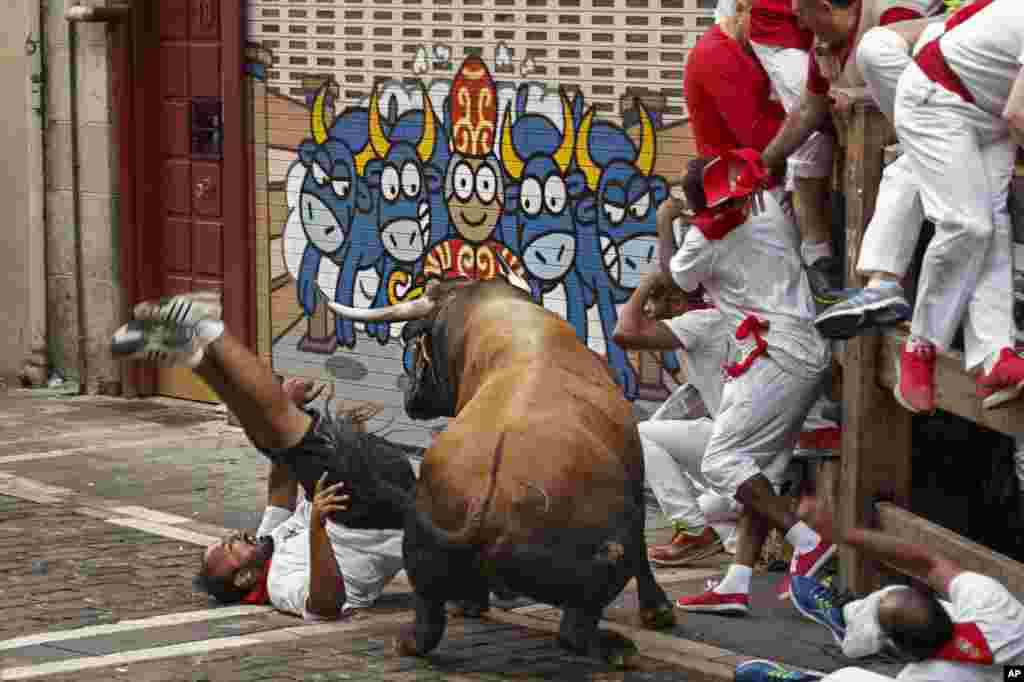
(477, 511)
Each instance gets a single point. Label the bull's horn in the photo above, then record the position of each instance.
(378, 140)
(317, 122)
(400, 312)
(563, 155)
(645, 159)
(511, 276)
(513, 164)
(425, 148)
(583, 160)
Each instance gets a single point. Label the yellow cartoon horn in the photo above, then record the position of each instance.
(513, 164)
(583, 160)
(425, 148)
(316, 117)
(378, 140)
(563, 155)
(645, 159)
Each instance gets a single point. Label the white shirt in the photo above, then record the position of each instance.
(987, 52)
(756, 269)
(703, 335)
(1000, 617)
(367, 560)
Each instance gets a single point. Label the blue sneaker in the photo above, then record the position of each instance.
(819, 603)
(770, 671)
(864, 309)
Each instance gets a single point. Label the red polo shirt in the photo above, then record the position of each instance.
(729, 96)
(773, 23)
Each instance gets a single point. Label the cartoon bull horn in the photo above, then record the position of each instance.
(513, 164)
(583, 160)
(645, 159)
(563, 155)
(400, 312)
(425, 148)
(318, 116)
(378, 140)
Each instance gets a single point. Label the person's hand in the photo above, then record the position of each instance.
(842, 108)
(302, 391)
(327, 501)
(663, 297)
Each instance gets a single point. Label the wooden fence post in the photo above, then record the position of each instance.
(876, 447)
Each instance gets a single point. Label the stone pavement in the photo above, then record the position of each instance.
(105, 505)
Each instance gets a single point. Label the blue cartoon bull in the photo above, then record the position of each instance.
(335, 207)
(540, 203)
(405, 179)
(618, 230)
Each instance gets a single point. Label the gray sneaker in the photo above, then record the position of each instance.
(163, 343)
(186, 309)
(864, 309)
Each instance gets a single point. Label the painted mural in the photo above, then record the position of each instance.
(433, 179)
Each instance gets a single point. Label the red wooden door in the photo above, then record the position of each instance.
(192, 207)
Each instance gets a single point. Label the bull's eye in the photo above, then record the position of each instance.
(486, 184)
(389, 183)
(530, 198)
(410, 180)
(554, 194)
(463, 181)
(319, 174)
(341, 188)
(615, 213)
(638, 209)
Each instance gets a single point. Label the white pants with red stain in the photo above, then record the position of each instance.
(787, 69)
(963, 160)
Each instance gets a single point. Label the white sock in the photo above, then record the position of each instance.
(811, 252)
(802, 537)
(209, 330)
(736, 580)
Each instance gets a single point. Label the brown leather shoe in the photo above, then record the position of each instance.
(685, 548)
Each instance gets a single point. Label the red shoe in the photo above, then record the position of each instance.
(1004, 382)
(915, 385)
(809, 563)
(713, 602)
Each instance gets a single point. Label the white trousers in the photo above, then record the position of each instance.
(787, 69)
(757, 426)
(853, 674)
(673, 449)
(963, 160)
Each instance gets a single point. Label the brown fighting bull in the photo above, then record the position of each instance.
(537, 483)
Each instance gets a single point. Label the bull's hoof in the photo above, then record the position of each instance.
(405, 642)
(659, 618)
(617, 650)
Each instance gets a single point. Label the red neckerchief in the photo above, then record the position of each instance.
(968, 645)
(965, 13)
(751, 326)
(715, 223)
(259, 594)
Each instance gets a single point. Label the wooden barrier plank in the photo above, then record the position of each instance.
(955, 390)
(876, 435)
(944, 542)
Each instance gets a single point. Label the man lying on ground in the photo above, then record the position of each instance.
(967, 633)
(319, 557)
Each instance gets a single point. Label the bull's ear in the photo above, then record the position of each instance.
(576, 183)
(306, 152)
(585, 210)
(364, 203)
(433, 178)
(659, 188)
(511, 203)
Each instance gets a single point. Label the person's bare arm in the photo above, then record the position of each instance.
(907, 557)
(282, 487)
(669, 210)
(1013, 114)
(326, 588)
(636, 329)
(800, 123)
